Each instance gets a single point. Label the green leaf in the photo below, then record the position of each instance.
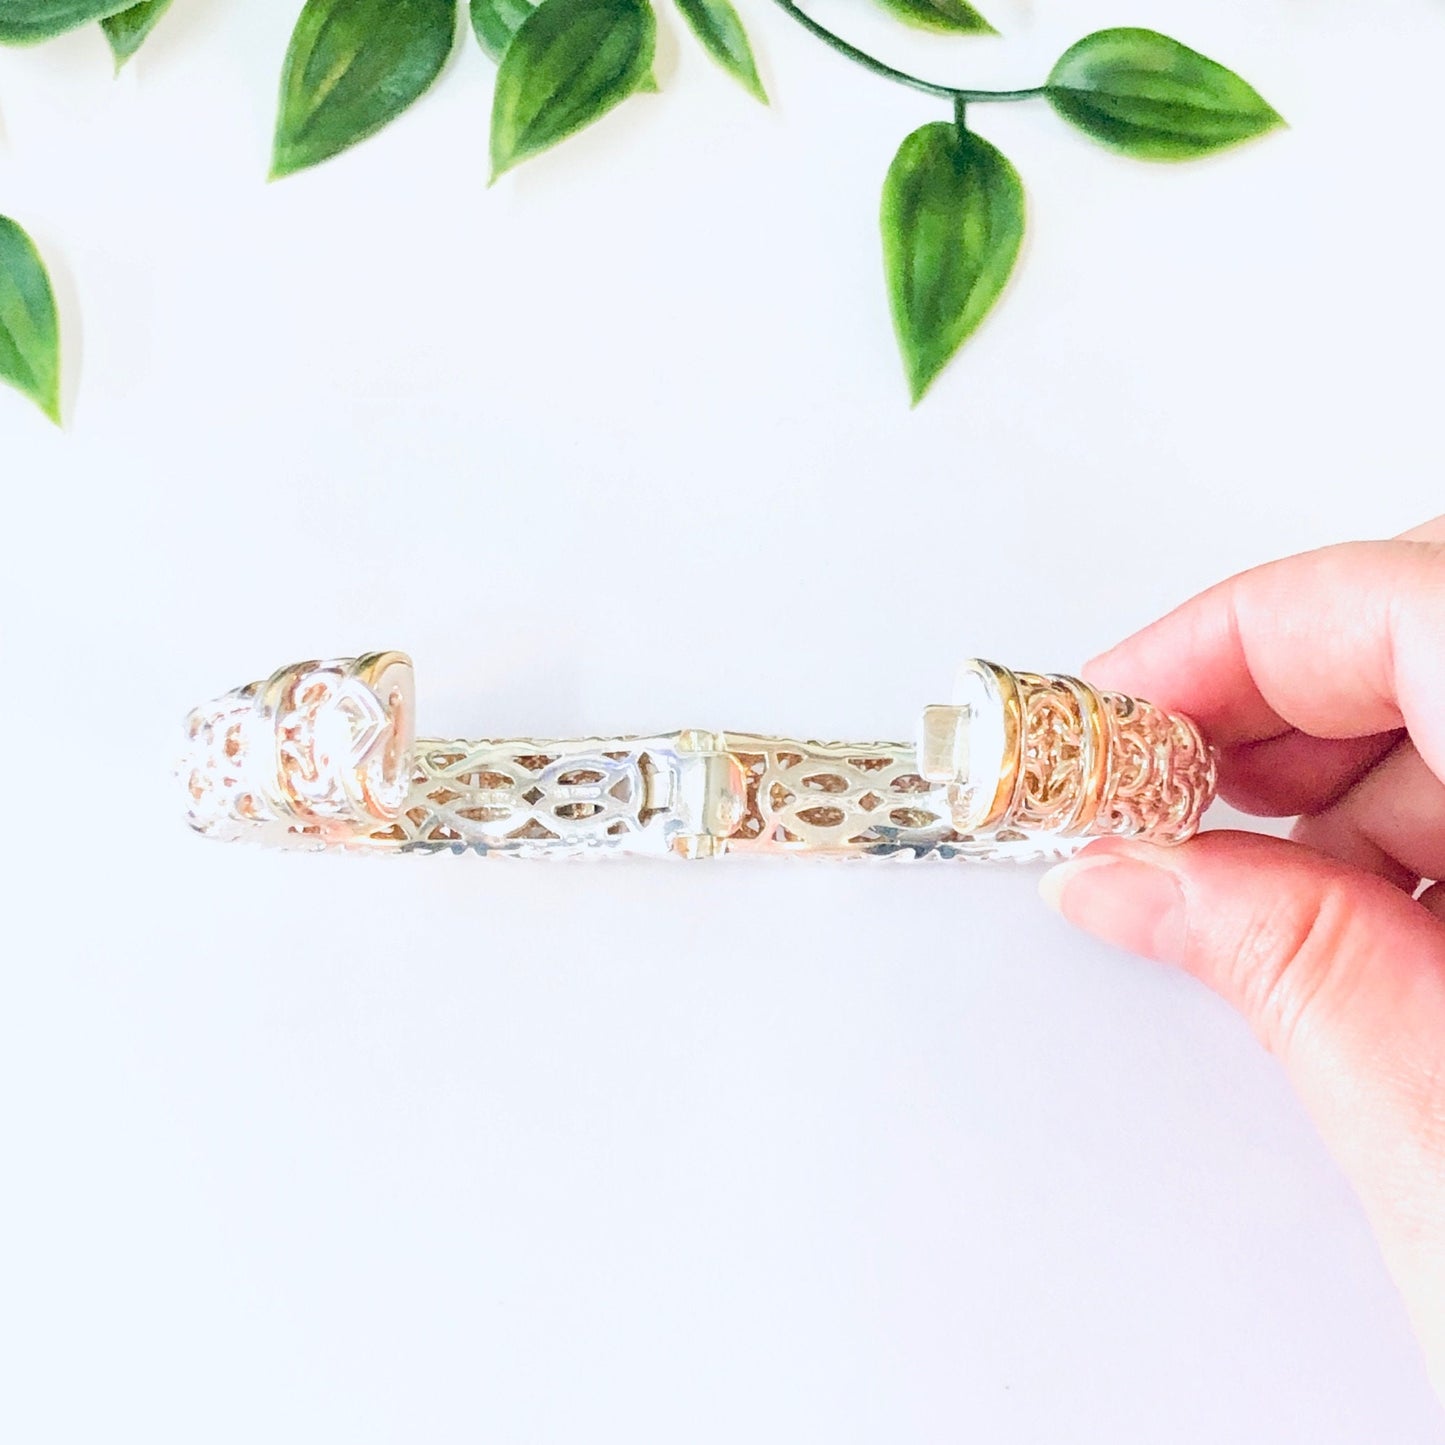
(717, 25)
(24, 22)
(953, 218)
(352, 67)
(127, 29)
(570, 62)
(496, 21)
(29, 330)
(956, 17)
(1151, 97)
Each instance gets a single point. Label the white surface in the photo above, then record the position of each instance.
(303, 1149)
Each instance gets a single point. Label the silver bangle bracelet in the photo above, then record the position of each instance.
(1019, 766)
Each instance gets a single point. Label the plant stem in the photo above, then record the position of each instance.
(901, 77)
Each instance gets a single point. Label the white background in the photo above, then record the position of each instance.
(311, 1149)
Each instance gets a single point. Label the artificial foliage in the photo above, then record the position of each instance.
(952, 216)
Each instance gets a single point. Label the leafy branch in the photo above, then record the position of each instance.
(953, 211)
(953, 206)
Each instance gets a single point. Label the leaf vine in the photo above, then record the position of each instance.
(952, 215)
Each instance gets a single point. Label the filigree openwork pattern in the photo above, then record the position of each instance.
(1162, 774)
(321, 755)
(1101, 763)
(315, 751)
(217, 768)
(1055, 739)
(533, 797)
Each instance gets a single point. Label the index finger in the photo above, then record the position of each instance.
(1340, 643)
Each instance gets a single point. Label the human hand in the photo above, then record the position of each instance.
(1321, 679)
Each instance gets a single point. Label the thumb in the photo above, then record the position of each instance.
(1342, 976)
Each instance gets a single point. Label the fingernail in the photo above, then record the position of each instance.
(1126, 901)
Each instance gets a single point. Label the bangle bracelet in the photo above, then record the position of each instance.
(1019, 766)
